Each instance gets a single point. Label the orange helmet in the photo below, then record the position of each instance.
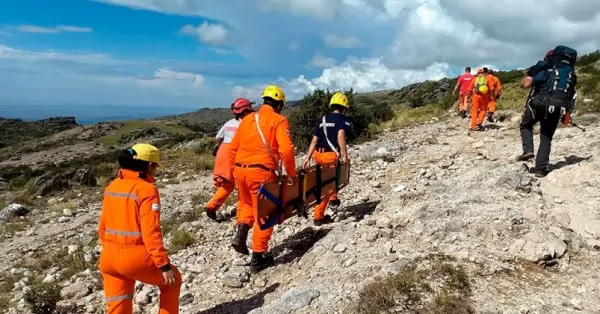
(240, 105)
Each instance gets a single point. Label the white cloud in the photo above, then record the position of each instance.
(363, 75)
(53, 30)
(36, 56)
(322, 62)
(208, 33)
(335, 41)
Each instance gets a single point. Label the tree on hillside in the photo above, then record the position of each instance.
(363, 111)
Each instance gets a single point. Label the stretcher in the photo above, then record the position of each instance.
(278, 201)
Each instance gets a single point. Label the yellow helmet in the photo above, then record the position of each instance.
(147, 152)
(339, 98)
(275, 92)
(483, 89)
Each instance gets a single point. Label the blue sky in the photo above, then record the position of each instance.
(188, 54)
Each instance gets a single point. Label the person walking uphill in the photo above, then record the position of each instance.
(262, 141)
(553, 82)
(497, 90)
(480, 86)
(329, 145)
(130, 235)
(222, 175)
(464, 82)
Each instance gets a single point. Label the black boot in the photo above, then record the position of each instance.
(327, 219)
(525, 156)
(335, 203)
(490, 117)
(260, 261)
(239, 241)
(539, 173)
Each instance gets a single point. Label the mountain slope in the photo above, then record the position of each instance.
(456, 205)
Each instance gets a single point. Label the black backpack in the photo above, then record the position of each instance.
(555, 81)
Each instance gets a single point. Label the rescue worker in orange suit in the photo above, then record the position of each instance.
(222, 175)
(329, 146)
(480, 87)
(496, 90)
(464, 82)
(261, 142)
(131, 237)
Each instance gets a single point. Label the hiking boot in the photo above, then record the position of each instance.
(239, 241)
(335, 203)
(260, 261)
(479, 127)
(463, 114)
(490, 118)
(326, 220)
(539, 173)
(525, 157)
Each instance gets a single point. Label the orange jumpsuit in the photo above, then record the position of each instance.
(254, 166)
(132, 246)
(480, 103)
(497, 88)
(324, 158)
(223, 178)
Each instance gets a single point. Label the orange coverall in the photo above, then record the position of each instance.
(132, 246)
(223, 178)
(497, 88)
(254, 166)
(480, 103)
(324, 158)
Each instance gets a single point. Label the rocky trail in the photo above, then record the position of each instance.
(419, 195)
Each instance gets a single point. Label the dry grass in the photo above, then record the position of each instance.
(404, 117)
(12, 226)
(188, 159)
(429, 285)
(42, 297)
(181, 239)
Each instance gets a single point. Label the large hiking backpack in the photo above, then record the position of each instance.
(481, 85)
(556, 80)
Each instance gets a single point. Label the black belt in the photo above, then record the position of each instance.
(254, 166)
(324, 150)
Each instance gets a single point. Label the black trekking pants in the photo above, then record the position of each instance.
(548, 124)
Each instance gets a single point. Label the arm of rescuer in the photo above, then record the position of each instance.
(235, 144)
(102, 223)
(286, 147)
(458, 83)
(149, 212)
(311, 151)
(341, 138)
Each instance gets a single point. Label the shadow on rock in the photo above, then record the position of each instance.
(242, 306)
(570, 160)
(358, 211)
(491, 127)
(298, 244)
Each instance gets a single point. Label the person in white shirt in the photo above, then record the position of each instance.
(222, 175)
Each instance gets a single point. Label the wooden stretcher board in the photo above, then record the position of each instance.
(294, 203)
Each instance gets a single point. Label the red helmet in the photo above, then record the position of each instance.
(240, 105)
(548, 54)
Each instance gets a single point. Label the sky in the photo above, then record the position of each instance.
(189, 54)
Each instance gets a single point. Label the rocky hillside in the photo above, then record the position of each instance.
(15, 130)
(433, 221)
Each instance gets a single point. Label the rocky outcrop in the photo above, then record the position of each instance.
(16, 130)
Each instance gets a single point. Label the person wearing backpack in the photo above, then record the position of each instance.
(481, 88)
(497, 90)
(552, 82)
(329, 145)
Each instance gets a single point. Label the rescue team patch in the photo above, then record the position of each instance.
(155, 206)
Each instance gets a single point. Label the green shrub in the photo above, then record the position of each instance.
(43, 297)
(362, 113)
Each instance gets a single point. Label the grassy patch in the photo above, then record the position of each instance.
(429, 285)
(408, 116)
(13, 226)
(69, 264)
(181, 239)
(170, 224)
(7, 282)
(188, 159)
(114, 139)
(4, 304)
